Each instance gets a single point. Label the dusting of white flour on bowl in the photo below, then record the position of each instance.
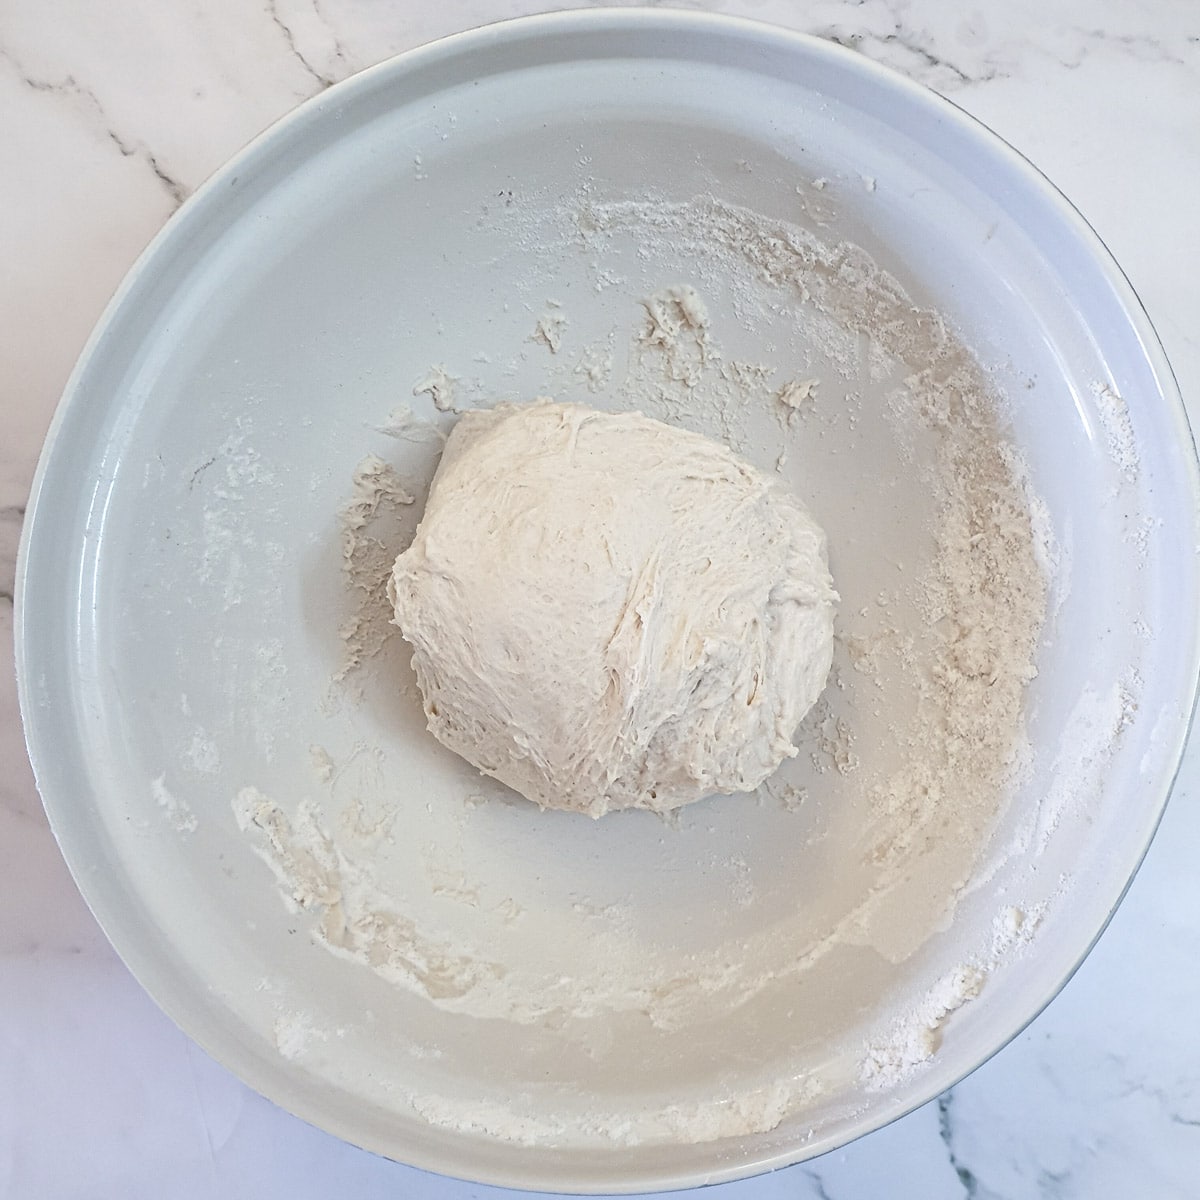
(1118, 430)
(808, 359)
(176, 808)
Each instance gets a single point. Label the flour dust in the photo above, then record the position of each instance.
(844, 871)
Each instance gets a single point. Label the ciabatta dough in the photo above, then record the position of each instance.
(608, 612)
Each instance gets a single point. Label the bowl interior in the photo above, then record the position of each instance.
(486, 219)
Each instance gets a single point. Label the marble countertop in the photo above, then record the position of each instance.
(112, 114)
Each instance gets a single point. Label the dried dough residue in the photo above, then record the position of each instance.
(376, 500)
(1118, 430)
(551, 327)
(438, 385)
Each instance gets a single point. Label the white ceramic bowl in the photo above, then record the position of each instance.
(179, 587)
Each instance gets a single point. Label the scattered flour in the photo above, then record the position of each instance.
(404, 425)
(202, 754)
(724, 1114)
(914, 1038)
(295, 1033)
(327, 875)
(230, 481)
(322, 763)
(911, 1040)
(946, 683)
(595, 366)
(177, 810)
(1078, 769)
(1013, 929)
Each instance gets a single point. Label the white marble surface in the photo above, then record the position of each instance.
(110, 114)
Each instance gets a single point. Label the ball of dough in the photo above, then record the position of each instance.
(607, 612)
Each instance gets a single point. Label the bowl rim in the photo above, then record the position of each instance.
(581, 23)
